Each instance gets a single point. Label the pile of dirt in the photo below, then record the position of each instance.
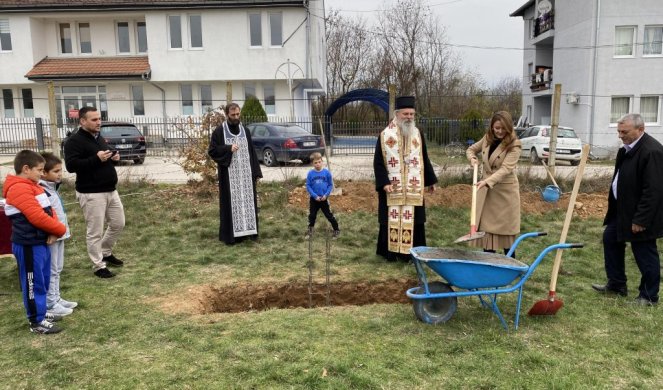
(361, 196)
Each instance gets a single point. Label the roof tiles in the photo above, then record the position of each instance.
(87, 68)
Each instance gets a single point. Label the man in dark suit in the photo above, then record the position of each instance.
(635, 212)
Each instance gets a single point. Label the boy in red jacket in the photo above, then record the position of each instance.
(34, 226)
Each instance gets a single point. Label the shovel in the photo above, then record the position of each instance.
(551, 305)
(473, 235)
(549, 173)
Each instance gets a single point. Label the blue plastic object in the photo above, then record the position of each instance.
(551, 193)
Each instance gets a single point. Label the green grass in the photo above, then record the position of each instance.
(122, 337)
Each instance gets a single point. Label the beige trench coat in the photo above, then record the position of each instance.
(498, 204)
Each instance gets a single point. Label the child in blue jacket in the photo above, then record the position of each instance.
(319, 185)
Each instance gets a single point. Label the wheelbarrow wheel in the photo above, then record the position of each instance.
(435, 310)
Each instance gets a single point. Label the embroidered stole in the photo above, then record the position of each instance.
(403, 160)
(241, 184)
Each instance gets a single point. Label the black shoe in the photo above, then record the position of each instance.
(44, 327)
(104, 273)
(608, 289)
(112, 260)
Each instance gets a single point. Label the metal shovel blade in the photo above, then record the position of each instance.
(470, 237)
(546, 307)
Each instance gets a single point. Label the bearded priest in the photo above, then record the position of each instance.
(402, 172)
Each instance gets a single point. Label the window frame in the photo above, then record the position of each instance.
(658, 109)
(10, 101)
(25, 100)
(271, 32)
(60, 39)
(134, 101)
(137, 32)
(190, 30)
(170, 30)
(204, 108)
(117, 37)
(644, 42)
(270, 109)
(9, 32)
(182, 106)
(260, 44)
(633, 42)
(628, 109)
(80, 38)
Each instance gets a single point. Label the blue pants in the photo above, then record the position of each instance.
(646, 257)
(34, 272)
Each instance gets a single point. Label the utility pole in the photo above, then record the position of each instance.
(552, 150)
(229, 92)
(52, 117)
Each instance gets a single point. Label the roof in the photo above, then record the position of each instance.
(115, 5)
(519, 12)
(90, 68)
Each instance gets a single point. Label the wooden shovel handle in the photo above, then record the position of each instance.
(473, 211)
(545, 166)
(569, 214)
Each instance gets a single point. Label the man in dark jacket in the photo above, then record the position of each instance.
(87, 154)
(635, 211)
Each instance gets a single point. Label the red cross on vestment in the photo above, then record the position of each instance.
(395, 181)
(414, 162)
(414, 182)
(392, 161)
(394, 214)
(407, 215)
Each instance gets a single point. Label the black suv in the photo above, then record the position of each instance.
(123, 137)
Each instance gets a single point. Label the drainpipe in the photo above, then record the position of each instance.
(146, 77)
(592, 107)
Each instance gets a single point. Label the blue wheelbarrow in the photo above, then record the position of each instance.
(485, 275)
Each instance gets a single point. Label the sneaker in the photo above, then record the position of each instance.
(104, 273)
(67, 304)
(59, 310)
(112, 260)
(44, 327)
(309, 232)
(335, 234)
(50, 317)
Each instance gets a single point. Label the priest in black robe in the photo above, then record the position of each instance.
(402, 171)
(238, 170)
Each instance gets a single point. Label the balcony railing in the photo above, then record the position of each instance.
(542, 79)
(544, 23)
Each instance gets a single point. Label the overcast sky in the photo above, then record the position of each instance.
(483, 23)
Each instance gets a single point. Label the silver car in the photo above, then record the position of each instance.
(536, 144)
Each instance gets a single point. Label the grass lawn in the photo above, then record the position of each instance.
(126, 334)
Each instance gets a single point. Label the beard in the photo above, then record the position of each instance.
(233, 122)
(407, 127)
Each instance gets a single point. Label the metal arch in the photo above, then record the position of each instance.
(376, 96)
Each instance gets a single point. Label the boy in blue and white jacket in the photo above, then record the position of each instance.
(50, 181)
(319, 184)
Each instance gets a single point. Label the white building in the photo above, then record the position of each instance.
(608, 57)
(146, 58)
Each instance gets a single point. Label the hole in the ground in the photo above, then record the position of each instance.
(248, 297)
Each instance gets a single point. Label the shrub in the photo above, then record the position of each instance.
(253, 112)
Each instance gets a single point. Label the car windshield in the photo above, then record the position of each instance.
(291, 131)
(119, 131)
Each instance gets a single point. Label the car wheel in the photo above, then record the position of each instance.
(139, 160)
(575, 163)
(533, 157)
(268, 158)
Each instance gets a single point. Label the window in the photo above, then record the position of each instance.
(175, 29)
(28, 105)
(624, 41)
(65, 38)
(653, 45)
(620, 106)
(137, 99)
(5, 36)
(649, 109)
(123, 45)
(205, 98)
(255, 29)
(276, 29)
(249, 90)
(8, 103)
(141, 37)
(270, 100)
(84, 40)
(187, 99)
(196, 30)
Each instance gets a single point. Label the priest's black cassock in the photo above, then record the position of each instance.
(238, 173)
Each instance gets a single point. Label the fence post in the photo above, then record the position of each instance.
(39, 127)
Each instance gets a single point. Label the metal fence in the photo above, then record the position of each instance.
(169, 135)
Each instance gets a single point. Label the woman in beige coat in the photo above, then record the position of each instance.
(498, 191)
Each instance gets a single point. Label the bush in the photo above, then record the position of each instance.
(195, 159)
(253, 112)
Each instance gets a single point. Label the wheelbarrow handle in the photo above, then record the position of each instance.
(576, 245)
(539, 234)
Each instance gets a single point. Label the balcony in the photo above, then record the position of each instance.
(545, 22)
(542, 79)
